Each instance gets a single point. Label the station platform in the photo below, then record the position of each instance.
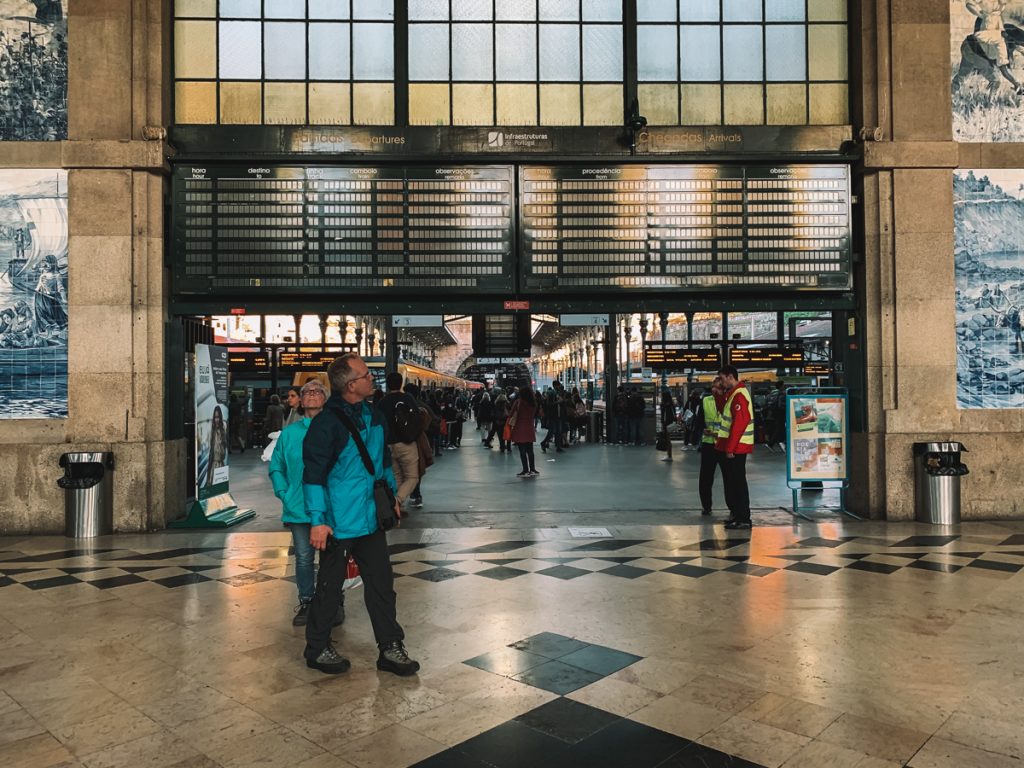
(587, 484)
(861, 644)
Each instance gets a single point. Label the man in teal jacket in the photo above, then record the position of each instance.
(286, 477)
(338, 493)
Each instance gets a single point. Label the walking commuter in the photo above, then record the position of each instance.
(286, 478)
(553, 411)
(620, 412)
(635, 408)
(485, 415)
(706, 421)
(668, 418)
(235, 416)
(273, 420)
(524, 431)
(691, 434)
(423, 442)
(294, 400)
(404, 425)
(734, 442)
(339, 495)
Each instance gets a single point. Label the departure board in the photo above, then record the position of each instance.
(771, 357)
(676, 227)
(265, 230)
(681, 356)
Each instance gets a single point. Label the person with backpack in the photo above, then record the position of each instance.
(403, 424)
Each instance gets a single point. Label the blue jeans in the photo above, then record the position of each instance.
(305, 578)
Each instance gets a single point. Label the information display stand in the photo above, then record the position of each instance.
(817, 444)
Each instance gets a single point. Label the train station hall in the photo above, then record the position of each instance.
(511, 383)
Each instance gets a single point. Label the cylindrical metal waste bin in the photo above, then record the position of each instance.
(88, 494)
(595, 426)
(937, 473)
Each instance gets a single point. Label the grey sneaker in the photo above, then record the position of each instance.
(330, 661)
(393, 658)
(416, 503)
(301, 615)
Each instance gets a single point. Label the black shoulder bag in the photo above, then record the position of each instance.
(383, 498)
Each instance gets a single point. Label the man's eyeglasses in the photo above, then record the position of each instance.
(367, 375)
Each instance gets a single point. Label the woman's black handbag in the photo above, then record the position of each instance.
(383, 497)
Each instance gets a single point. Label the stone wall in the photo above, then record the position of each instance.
(116, 292)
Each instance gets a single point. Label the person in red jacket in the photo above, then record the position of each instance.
(735, 441)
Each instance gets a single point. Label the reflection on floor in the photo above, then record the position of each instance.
(856, 644)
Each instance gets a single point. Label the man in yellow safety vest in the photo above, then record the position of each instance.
(707, 423)
(734, 441)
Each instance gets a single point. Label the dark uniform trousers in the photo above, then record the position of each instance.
(709, 461)
(734, 478)
(371, 555)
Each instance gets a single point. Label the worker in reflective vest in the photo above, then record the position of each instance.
(707, 422)
(734, 441)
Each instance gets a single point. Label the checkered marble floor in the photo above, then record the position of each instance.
(841, 644)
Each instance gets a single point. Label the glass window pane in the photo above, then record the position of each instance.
(744, 57)
(285, 51)
(698, 10)
(472, 104)
(241, 50)
(744, 104)
(285, 9)
(602, 10)
(559, 105)
(373, 104)
(602, 105)
(826, 10)
(284, 103)
(657, 57)
(753, 325)
(659, 103)
(204, 8)
(471, 10)
(559, 10)
(699, 53)
(516, 10)
(830, 104)
(517, 52)
(429, 104)
(373, 9)
(329, 103)
(428, 10)
(241, 103)
(559, 52)
(657, 10)
(240, 9)
(828, 57)
(195, 49)
(472, 52)
(373, 53)
(328, 51)
(328, 9)
(517, 104)
(701, 105)
(428, 52)
(787, 52)
(195, 103)
(602, 52)
(787, 104)
(785, 10)
(741, 10)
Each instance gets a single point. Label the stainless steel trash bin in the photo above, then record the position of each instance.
(595, 426)
(937, 473)
(88, 494)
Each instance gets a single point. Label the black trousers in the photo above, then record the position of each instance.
(526, 456)
(371, 555)
(734, 480)
(709, 461)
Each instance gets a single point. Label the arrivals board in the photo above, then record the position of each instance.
(676, 227)
(403, 230)
(676, 355)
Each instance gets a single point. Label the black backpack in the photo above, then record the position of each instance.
(406, 422)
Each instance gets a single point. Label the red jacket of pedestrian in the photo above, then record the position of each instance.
(524, 430)
(741, 417)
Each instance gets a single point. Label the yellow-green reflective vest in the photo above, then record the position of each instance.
(710, 420)
(725, 418)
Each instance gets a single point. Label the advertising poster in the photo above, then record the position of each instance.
(33, 70)
(988, 215)
(816, 429)
(33, 294)
(211, 400)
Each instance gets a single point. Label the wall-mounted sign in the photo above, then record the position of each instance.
(517, 305)
(766, 357)
(817, 437)
(417, 321)
(583, 320)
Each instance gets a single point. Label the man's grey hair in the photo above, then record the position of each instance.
(313, 384)
(340, 371)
